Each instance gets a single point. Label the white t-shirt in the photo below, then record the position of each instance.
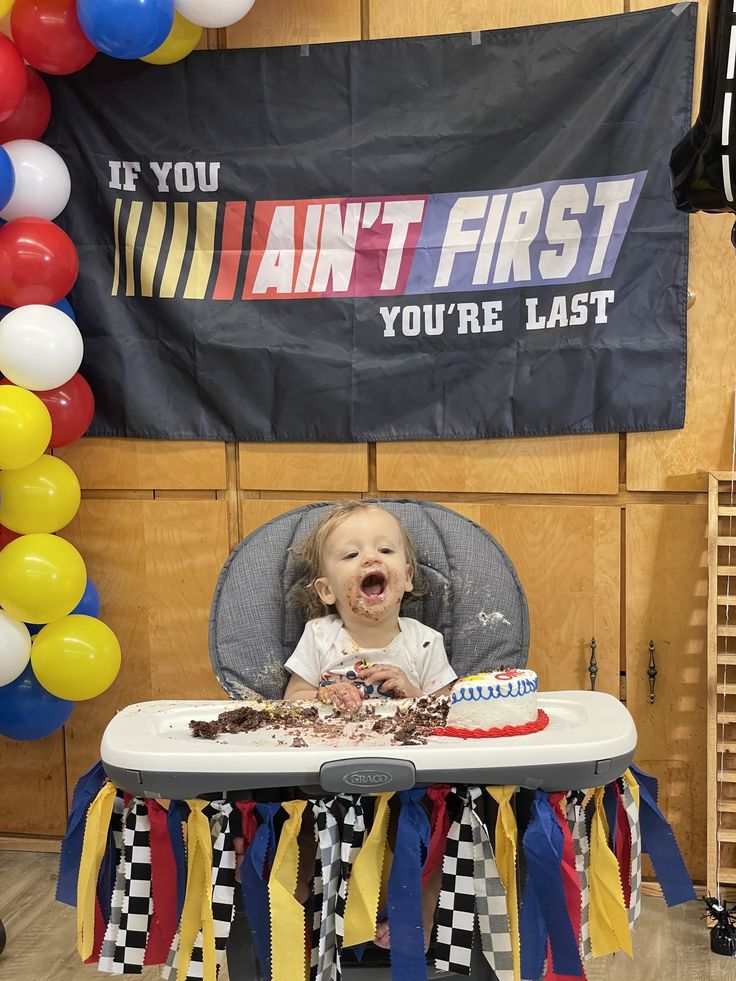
(326, 650)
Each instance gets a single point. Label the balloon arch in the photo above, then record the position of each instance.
(54, 649)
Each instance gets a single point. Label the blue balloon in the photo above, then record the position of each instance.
(89, 604)
(65, 306)
(7, 177)
(28, 711)
(126, 28)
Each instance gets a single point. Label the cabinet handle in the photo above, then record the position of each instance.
(593, 665)
(651, 672)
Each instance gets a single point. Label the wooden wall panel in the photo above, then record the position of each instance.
(551, 465)
(386, 18)
(280, 22)
(568, 561)
(155, 564)
(143, 464)
(304, 466)
(666, 584)
(32, 788)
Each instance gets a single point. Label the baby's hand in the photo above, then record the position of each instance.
(342, 694)
(390, 679)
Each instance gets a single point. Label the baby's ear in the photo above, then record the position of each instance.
(324, 591)
(409, 585)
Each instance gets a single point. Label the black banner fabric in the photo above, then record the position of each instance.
(451, 237)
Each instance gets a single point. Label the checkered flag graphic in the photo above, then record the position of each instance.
(223, 896)
(353, 835)
(107, 952)
(632, 813)
(576, 820)
(490, 898)
(124, 946)
(456, 912)
(328, 846)
(316, 900)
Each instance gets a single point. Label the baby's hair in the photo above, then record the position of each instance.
(308, 553)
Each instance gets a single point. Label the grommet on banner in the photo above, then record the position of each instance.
(475, 37)
(304, 50)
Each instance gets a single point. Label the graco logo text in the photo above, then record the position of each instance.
(367, 778)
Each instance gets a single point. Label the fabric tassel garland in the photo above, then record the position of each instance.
(505, 839)
(254, 873)
(197, 912)
(163, 887)
(581, 847)
(93, 849)
(609, 924)
(177, 817)
(631, 806)
(353, 836)
(659, 843)
(87, 788)
(439, 824)
(288, 961)
(327, 833)
(361, 907)
(622, 844)
(405, 924)
(543, 908)
(570, 881)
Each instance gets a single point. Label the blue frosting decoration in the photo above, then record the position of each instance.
(485, 693)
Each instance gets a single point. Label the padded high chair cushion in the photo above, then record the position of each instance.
(474, 597)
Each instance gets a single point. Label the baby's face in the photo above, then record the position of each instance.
(364, 569)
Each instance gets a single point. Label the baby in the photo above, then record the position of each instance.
(360, 564)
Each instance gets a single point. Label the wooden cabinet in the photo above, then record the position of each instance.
(666, 602)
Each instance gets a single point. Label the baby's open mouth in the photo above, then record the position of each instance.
(373, 585)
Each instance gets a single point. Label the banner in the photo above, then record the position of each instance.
(453, 237)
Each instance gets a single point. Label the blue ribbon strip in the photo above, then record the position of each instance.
(87, 788)
(177, 816)
(658, 841)
(406, 927)
(544, 909)
(254, 874)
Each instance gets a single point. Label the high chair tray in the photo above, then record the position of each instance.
(147, 749)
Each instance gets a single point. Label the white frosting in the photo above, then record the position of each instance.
(494, 699)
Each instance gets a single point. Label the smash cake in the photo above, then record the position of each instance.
(495, 703)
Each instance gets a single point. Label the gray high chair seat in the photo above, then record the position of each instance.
(474, 598)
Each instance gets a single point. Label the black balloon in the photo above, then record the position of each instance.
(703, 164)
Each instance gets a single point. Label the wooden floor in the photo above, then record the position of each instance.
(668, 944)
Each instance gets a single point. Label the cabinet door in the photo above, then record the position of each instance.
(568, 561)
(666, 602)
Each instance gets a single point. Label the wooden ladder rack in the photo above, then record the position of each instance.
(721, 692)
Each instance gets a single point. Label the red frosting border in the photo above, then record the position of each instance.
(536, 725)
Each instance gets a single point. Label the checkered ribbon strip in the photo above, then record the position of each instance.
(353, 835)
(124, 945)
(632, 813)
(223, 896)
(579, 832)
(328, 847)
(316, 906)
(471, 886)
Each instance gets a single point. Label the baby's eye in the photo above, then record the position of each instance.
(350, 555)
(385, 550)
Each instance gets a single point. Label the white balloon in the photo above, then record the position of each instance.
(40, 347)
(15, 648)
(213, 13)
(42, 182)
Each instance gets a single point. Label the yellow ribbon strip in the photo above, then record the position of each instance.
(506, 838)
(609, 921)
(288, 956)
(633, 786)
(197, 912)
(93, 850)
(361, 906)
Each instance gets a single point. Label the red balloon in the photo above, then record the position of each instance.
(31, 117)
(13, 75)
(49, 37)
(71, 407)
(6, 535)
(38, 261)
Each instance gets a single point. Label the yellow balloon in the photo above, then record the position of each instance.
(42, 578)
(44, 496)
(25, 427)
(5, 6)
(76, 658)
(182, 39)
